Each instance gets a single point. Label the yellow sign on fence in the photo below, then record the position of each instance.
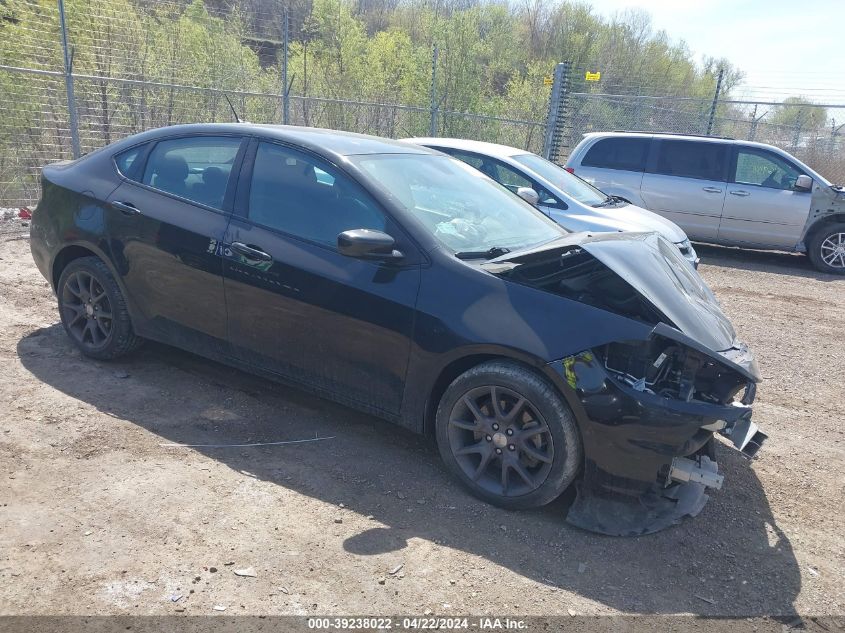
(596, 76)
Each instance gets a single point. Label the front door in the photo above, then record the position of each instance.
(686, 182)
(299, 308)
(762, 207)
(165, 227)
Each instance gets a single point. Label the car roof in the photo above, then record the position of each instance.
(595, 136)
(481, 147)
(686, 137)
(319, 140)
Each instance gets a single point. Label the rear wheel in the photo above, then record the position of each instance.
(93, 310)
(508, 435)
(826, 248)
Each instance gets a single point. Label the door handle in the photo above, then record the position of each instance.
(712, 190)
(126, 208)
(740, 193)
(251, 252)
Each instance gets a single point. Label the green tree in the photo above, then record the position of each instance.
(800, 113)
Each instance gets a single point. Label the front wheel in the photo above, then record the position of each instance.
(826, 248)
(93, 310)
(508, 435)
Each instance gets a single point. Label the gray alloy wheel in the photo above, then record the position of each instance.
(93, 310)
(508, 435)
(88, 310)
(500, 441)
(833, 250)
(827, 249)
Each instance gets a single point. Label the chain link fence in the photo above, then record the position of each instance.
(132, 66)
(76, 75)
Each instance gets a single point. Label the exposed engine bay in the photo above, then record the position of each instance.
(669, 369)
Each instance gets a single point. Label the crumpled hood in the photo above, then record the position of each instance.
(658, 272)
(646, 262)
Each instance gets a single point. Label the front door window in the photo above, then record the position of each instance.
(764, 169)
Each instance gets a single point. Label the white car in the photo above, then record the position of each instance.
(721, 190)
(568, 200)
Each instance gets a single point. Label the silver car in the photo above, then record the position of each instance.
(722, 191)
(571, 202)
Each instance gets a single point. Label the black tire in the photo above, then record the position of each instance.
(93, 310)
(826, 248)
(478, 452)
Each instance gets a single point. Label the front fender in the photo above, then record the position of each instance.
(826, 204)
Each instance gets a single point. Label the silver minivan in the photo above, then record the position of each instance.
(722, 191)
(571, 202)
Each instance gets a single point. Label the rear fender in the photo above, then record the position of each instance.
(57, 265)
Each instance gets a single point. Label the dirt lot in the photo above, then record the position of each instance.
(97, 515)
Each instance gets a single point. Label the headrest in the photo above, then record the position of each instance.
(171, 167)
(214, 176)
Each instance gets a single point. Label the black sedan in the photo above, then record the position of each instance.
(402, 282)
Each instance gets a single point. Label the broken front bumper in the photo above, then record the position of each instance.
(648, 458)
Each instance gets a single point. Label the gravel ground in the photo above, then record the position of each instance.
(11, 226)
(99, 516)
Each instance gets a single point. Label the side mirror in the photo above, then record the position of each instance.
(529, 195)
(803, 183)
(367, 244)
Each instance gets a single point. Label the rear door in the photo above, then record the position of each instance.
(685, 181)
(762, 207)
(299, 308)
(166, 221)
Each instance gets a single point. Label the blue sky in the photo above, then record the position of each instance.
(785, 47)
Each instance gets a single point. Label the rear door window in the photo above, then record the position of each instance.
(196, 168)
(691, 159)
(618, 153)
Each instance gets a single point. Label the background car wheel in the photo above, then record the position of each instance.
(827, 249)
(93, 310)
(508, 435)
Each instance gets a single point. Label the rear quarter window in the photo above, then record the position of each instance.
(618, 153)
(127, 159)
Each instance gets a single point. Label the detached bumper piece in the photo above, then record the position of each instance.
(703, 471)
(657, 509)
(746, 437)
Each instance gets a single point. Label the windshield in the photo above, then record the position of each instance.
(568, 183)
(466, 211)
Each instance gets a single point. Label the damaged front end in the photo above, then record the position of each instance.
(827, 201)
(648, 409)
